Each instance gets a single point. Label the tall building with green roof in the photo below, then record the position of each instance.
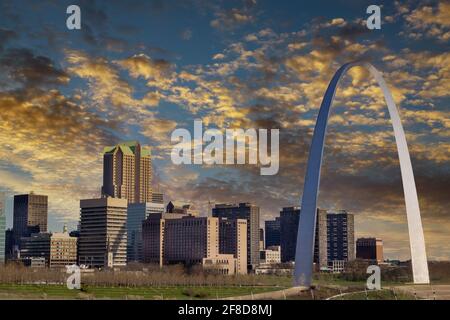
(127, 172)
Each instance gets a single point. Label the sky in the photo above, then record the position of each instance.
(137, 70)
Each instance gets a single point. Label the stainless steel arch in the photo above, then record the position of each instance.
(307, 224)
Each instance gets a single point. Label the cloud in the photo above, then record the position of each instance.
(108, 90)
(235, 17)
(186, 34)
(430, 21)
(50, 141)
(30, 70)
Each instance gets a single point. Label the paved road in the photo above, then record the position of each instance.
(433, 292)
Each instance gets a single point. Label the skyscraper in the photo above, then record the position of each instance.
(272, 232)
(289, 218)
(251, 214)
(103, 232)
(136, 214)
(2, 227)
(341, 239)
(127, 172)
(30, 215)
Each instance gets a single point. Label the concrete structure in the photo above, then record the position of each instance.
(306, 228)
(224, 264)
(271, 255)
(251, 214)
(58, 249)
(30, 215)
(370, 249)
(233, 240)
(103, 232)
(272, 232)
(136, 214)
(127, 172)
(181, 208)
(2, 227)
(173, 238)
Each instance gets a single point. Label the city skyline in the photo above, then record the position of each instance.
(66, 95)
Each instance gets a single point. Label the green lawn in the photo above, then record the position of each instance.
(15, 291)
(384, 294)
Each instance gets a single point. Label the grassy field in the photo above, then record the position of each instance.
(385, 294)
(14, 291)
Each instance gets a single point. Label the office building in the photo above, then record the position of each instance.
(271, 255)
(103, 232)
(9, 245)
(127, 172)
(341, 239)
(261, 239)
(223, 264)
(58, 249)
(370, 249)
(321, 241)
(272, 232)
(2, 227)
(157, 197)
(251, 214)
(29, 216)
(289, 219)
(233, 240)
(179, 207)
(34, 262)
(176, 238)
(153, 237)
(136, 214)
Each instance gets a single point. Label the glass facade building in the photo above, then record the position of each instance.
(136, 214)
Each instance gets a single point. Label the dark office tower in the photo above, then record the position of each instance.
(272, 232)
(289, 218)
(9, 244)
(127, 172)
(251, 214)
(30, 215)
(341, 239)
(370, 249)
